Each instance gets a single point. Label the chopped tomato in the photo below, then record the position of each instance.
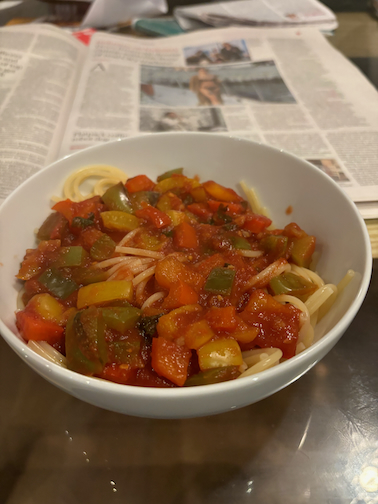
(256, 223)
(278, 323)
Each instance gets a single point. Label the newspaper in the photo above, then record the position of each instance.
(271, 13)
(284, 87)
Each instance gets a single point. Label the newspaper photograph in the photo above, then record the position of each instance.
(222, 85)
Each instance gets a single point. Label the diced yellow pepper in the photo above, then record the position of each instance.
(198, 334)
(119, 221)
(219, 353)
(47, 307)
(198, 194)
(171, 325)
(164, 203)
(103, 292)
(172, 183)
(177, 217)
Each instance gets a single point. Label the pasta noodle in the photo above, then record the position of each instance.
(253, 200)
(108, 175)
(307, 274)
(260, 360)
(319, 297)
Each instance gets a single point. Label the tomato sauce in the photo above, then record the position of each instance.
(205, 244)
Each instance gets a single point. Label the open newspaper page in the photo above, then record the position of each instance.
(257, 12)
(39, 68)
(284, 87)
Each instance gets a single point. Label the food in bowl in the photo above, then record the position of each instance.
(168, 283)
(319, 206)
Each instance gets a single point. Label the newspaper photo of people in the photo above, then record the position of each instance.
(220, 85)
(208, 119)
(234, 51)
(331, 168)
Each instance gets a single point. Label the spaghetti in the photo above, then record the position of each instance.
(168, 283)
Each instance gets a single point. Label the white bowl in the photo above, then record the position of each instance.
(319, 206)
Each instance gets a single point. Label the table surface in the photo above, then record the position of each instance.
(314, 442)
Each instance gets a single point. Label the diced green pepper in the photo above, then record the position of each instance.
(88, 275)
(289, 283)
(121, 318)
(53, 227)
(216, 375)
(149, 241)
(302, 250)
(127, 352)
(137, 199)
(57, 283)
(220, 281)
(240, 243)
(116, 198)
(86, 348)
(169, 173)
(71, 256)
(275, 245)
(103, 248)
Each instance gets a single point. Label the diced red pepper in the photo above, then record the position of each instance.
(201, 210)
(180, 294)
(34, 328)
(222, 319)
(170, 360)
(139, 183)
(118, 373)
(151, 214)
(185, 236)
(71, 209)
(256, 223)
